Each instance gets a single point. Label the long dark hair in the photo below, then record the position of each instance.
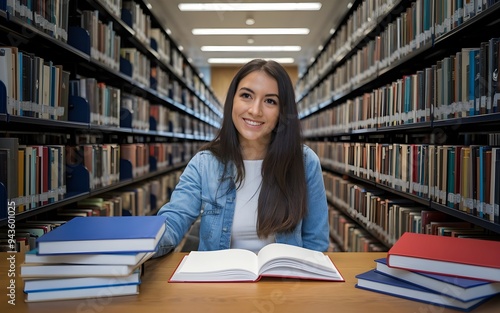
(282, 199)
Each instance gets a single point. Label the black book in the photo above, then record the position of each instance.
(496, 205)
(493, 75)
(11, 145)
(64, 93)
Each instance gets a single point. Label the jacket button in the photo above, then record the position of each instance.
(224, 229)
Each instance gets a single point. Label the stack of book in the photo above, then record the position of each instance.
(458, 273)
(91, 257)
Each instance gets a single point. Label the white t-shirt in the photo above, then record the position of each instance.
(244, 231)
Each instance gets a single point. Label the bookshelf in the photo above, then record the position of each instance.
(120, 106)
(386, 110)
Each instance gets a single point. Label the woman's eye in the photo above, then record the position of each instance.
(245, 95)
(271, 101)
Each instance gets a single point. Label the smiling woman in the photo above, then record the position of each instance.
(255, 113)
(255, 183)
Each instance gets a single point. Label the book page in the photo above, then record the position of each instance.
(220, 260)
(293, 261)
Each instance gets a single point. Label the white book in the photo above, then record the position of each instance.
(32, 257)
(38, 285)
(273, 260)
(33, 270)
(6, 70)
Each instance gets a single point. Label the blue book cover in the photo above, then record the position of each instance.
(67, 283)
(407, 99)
(472, 79)
(427, 14)
(464, 289)
(484, 184)
(104, 234)
(460, 7)
(82, 293)
(374, 281)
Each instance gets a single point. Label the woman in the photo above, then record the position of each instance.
(255, 183)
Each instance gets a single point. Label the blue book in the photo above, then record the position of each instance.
(472, 78)
(407, 99)
(65, 283)
(128, 258)
(104, 234)
(82, 293)
(464, 289)
(374, 281)
(427, 14)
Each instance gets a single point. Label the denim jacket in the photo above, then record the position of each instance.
(200, 192)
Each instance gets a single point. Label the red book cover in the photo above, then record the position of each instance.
(463, 257)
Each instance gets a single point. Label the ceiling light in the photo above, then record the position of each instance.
(249, 48)
(249, 41)
(250, 21)
(227, 6)
(250, 31)
(245, 60)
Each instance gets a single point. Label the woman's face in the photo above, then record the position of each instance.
(256, 109)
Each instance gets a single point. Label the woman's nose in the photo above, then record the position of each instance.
(255, 108)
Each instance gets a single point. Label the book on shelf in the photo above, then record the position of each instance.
(374, 281)
(462, 257)
(82, 293)
(9, 147)
(273, 260)
(8, 76)
(104, 234)
(433, 216)
(54, 284)
(463, 289)
(131, 258)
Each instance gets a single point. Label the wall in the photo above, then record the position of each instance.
(221, 77)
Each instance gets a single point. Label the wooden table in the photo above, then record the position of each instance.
(266, 296)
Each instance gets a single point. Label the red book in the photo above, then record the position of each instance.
(43, 153)
(463, 257)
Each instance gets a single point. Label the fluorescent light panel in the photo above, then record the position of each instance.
(246, 60)
(250, 31)
(227, 6)
(249, 48)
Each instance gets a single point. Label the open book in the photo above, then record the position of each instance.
(274, 260)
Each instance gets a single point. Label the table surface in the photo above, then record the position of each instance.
(269, 295)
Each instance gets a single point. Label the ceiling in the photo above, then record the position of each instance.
(181, 23)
